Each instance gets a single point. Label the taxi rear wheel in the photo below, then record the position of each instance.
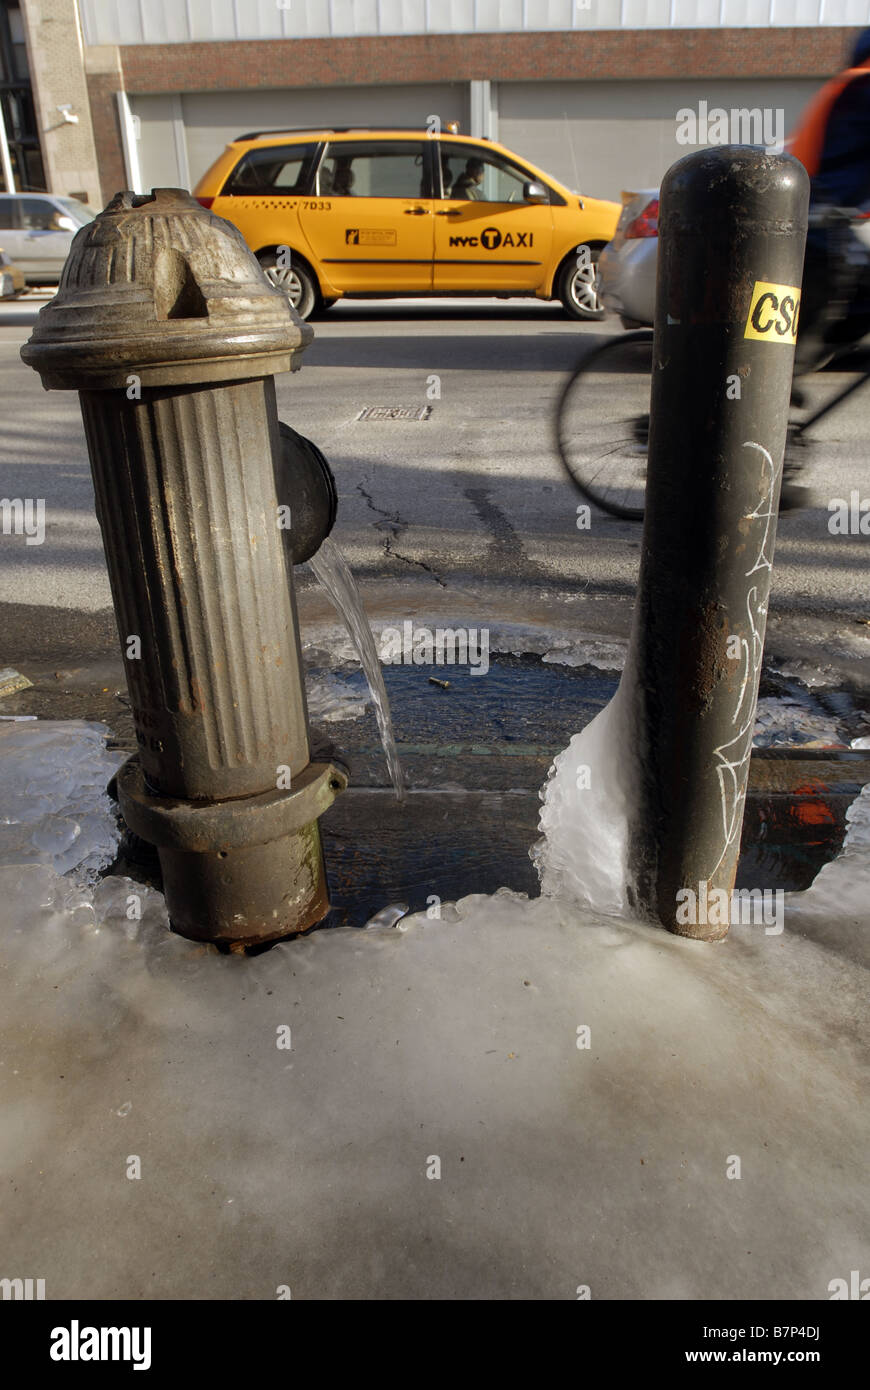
(579, 289)
(295, 280)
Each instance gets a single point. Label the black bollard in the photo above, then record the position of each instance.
(732, 228)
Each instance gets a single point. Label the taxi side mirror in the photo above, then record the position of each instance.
(534, 192)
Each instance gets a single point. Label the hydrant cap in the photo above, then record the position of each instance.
(158, 287)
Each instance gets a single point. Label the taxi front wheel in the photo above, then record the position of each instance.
(578, 289)
(295, 280)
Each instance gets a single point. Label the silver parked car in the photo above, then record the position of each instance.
(627, 267)
(36, 230)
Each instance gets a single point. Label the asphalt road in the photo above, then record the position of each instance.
(466, 517)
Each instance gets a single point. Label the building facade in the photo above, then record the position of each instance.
(589, 90)
(20, 149)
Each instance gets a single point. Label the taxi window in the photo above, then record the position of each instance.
(475, 174)
(374, 169)
(280, 170)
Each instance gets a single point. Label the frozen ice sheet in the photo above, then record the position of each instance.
(835, 909)
(53, 804)
(328, 644)
(454, 1041)
(455, 1047)
(333, 696)
(785, 721)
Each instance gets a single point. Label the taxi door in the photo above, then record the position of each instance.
(370, 223)
(487, 237)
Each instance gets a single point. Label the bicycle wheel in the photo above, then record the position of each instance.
(602, 424)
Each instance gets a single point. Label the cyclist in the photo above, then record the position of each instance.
(832, 141)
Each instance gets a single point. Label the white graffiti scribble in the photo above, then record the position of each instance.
(764, 561)
(733, 765)
(750, 658)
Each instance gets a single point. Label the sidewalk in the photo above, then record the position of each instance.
(511, 1100)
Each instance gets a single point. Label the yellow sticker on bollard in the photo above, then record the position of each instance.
(773, 313)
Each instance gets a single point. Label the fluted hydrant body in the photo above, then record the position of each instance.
(166, 326)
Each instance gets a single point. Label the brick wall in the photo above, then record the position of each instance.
(643, 54)
(557, 56)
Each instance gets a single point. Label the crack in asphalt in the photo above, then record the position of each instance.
(392, 519)
(394, 523)
(397, 555)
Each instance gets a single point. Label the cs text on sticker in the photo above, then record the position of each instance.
(773, 313)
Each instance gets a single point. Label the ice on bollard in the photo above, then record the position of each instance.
(590, 795)
(582, 854)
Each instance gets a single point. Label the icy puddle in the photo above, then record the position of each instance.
(543, 700)
(519, 1100)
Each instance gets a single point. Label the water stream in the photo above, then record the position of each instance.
(333, 572)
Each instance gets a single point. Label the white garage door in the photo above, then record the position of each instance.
(602, 137)
(212, 119)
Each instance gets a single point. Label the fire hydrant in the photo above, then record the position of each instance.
(168, 329)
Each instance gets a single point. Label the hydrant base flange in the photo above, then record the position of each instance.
(249, 869)
(204, 827)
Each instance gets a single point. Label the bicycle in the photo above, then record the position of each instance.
(605, 456)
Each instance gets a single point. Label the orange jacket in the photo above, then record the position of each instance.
(808, 141)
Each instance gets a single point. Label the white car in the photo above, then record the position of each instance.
(627, 266)
(36, 230)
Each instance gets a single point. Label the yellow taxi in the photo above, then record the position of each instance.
(333, 213)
